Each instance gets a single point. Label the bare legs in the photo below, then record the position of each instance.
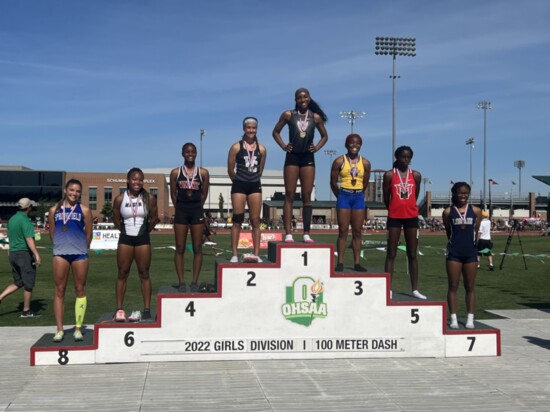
(125, 256)
(196, 240)
(306, 175)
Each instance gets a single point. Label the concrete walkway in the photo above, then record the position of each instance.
(517, 381)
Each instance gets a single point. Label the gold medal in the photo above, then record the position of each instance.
(302, 134)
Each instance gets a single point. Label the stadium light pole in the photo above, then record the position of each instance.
(520, 164)
(395, 46)
(203, 133)
(484, 105)
(330, 152)
(351, 116)
(470, 142)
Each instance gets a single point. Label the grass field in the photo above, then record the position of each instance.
(510, 288)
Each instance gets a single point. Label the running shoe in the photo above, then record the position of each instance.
(135, 316)
(29, 314)
(234, 259)
(308, 239)
(182, 288)
(339, 267)
(289, 239)
(58, 337)
(146, 315)
(359, 268)
(194, 288)
(77, 335)
(120, 316)
(250, 258)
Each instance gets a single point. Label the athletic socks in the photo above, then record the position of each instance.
(470, 321)
(418, 295)
(80, 311)
(454, 321)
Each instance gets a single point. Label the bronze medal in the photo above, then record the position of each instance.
(353, 182)
(463, 227)
(189, 193)
(64, 228)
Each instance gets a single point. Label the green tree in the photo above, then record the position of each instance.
(107, 211)
(221, 201)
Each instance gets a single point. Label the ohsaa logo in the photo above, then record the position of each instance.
(304, 301)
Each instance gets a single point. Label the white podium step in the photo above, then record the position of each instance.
(292, 307)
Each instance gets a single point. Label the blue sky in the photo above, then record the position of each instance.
(107, 85)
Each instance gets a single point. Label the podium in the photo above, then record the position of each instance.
(293, 306)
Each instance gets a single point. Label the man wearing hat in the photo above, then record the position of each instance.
(484, 243)
(24, 258)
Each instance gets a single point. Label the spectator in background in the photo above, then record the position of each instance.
(484, 244)
(23, 256)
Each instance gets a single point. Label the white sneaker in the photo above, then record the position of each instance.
(418, 295)
(259, 259)
(135, 316)
(453, 324)
(470, 325)
(234, 259)
(250, 258)
(289, 239)
(307, 239)
(120, 316)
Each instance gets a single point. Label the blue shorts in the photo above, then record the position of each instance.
(73, 258)
(353, 201)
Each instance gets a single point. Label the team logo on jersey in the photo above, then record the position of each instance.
(304, 301)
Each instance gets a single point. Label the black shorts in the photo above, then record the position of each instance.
(23, 268)
(484, 244)
(189, 215)
(300, 159)
(246, 188)
(411, 223)
(134, 241)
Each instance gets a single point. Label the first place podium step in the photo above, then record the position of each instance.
(292, 307)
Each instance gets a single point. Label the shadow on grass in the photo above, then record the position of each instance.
(543, 307)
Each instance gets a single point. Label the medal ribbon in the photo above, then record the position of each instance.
(189, 178)
(462, 216)
(353, 171)
(402, 184)
(65, 220)
(251, 156)
(302, 124)
(134, 211)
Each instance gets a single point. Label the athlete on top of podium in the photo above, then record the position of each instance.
(300, 160)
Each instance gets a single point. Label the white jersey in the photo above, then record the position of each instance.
(133, 214)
